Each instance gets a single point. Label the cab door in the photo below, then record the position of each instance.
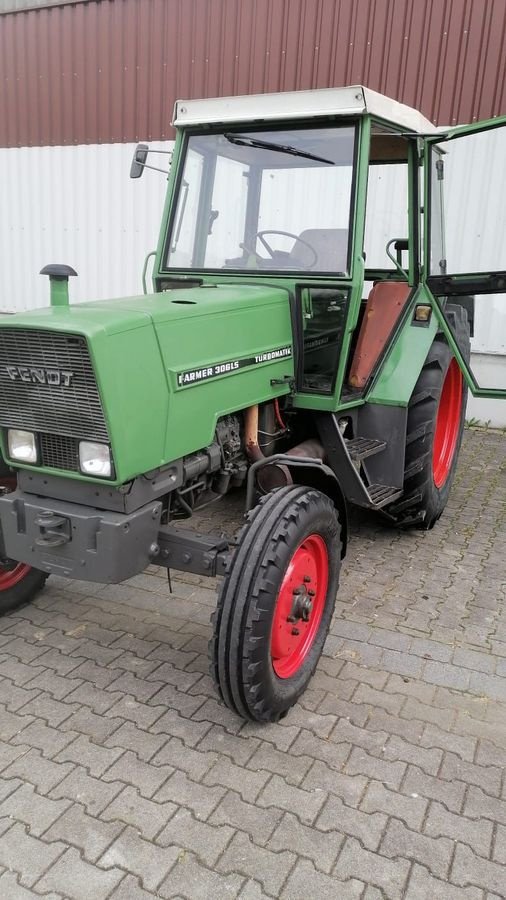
(465, 244)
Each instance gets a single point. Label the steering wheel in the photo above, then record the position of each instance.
(270, 250)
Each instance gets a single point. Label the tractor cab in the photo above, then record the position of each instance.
(317, 192)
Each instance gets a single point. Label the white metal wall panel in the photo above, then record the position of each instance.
(76, 205)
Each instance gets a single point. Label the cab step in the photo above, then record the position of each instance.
(382, 494)
(360, 448)
(343, 456)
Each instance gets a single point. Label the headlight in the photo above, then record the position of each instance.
(22, 445)
(95, 459)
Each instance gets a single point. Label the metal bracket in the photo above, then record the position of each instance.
(190, 551)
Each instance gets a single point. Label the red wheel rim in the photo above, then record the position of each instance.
(9, 577)
(299, 606)
(11, 572)
(447, 424)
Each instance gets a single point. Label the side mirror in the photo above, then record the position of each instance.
(139, 160)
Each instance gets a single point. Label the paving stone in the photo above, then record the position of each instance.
(90, 835)
(271, 869)
(367, 827)
(322, 779)
(411, 810)
(304, 804)
(201, 798)
(141, 742)
(307, 841)
(130, 889)
(258, 822)
(291, 768)
(189, 879)
(49, 740)
(435, 737)
(147, 816)
(93, 757)
(73, 876)
(239, 749)
(141, 714)
(423, 886)
(132, 770)
(305, 881)
(419, 784)
(434, 854)
(392, 703)
(476, 833)
(248, 784)
(189, 731)
(361, 763)
(478, 804)
(11, 889)
(468, 868)
(499, 845)
(31, 766)
(312, 747)
(14, 697)
(26, 855)
(93, 793)
(176, 754)
(144, 858)
(34, 810)
(389, 875)
(487, 777)
(84, 721)
(398, 749)
(207, 841)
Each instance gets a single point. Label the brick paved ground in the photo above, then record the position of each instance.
(121, 776)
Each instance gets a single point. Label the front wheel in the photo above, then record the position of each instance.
(276, 603)
(19, 583)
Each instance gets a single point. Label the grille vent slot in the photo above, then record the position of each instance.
(74, 411)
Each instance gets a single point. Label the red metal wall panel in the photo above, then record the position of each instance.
(110, 70)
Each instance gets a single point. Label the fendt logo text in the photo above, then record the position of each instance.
(36, 375)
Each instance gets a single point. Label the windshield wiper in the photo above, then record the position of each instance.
(244, 141)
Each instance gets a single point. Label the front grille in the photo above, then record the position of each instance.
(59, 452)
(68, 406)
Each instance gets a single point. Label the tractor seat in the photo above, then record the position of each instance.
(384, 307)
(330, 246)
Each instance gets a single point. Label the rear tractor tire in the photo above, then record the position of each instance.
(435, 426)
(276, 603)
(19, 583)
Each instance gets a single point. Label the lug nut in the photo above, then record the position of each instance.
(295, 631)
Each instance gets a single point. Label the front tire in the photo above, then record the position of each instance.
(276, 603)
(19, 583)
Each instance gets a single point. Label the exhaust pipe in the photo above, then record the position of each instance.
(278, 475)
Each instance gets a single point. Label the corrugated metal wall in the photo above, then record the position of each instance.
(109, 71)
(75, 205)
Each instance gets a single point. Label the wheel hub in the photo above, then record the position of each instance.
(299, 606)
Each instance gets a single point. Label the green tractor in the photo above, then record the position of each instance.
(307, 339)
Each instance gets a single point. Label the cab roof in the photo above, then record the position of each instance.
(341, 101)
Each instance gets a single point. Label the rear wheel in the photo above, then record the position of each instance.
(19, 583)
(434, 431)
(276, 603)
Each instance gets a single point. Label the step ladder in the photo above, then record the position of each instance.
(346, 456)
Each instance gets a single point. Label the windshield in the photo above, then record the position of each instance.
(277, 200)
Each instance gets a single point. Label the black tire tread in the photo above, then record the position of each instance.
(414, 508)
(235, 650)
